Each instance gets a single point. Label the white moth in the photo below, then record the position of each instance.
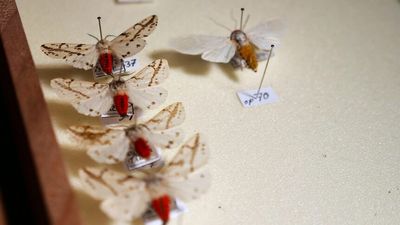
(85, 56)
(138, 91)
(105, 145)
(242, 49)
(126, 197)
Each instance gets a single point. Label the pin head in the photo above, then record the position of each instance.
(101, 33)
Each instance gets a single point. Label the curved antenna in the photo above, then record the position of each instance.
(110, 35)
(234, 19)
(220, 24)
(91, 35)
(241, 18)
(101, 33)
(265, 70)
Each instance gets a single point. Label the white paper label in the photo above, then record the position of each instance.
(131, 64)
(250, 98)
(112, 116)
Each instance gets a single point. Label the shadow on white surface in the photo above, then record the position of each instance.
(47, 73)
(190, 64)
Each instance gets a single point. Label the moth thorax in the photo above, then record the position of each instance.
(106, 60)
(247, 52)
(142, 148)
(162, 206)
(239, 37)
(121, 103)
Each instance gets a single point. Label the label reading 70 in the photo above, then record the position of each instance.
(251, 98)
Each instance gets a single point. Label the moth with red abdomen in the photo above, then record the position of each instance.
(85, 56)
(110, 146)
(241, 49)
(126, 197)
(95, 99)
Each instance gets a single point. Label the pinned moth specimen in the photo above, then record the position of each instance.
(242, 49)
(106, 145)
(85, 56)
(138, 90)
(126, 197)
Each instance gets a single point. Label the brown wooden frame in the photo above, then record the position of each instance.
(34, 183)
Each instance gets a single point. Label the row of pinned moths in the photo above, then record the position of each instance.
(148, 188)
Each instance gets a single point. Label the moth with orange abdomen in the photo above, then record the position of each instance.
(111, 146)
(139, 90)
(104, 52)
(241, 49)
(126, 197)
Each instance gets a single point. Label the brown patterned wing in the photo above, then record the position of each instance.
(152, 75)
(83, 56)
(88, 98)
(123, 196)
(190, 157)
(104, 145)
(169, 117)
(184, 176)
(131, 41)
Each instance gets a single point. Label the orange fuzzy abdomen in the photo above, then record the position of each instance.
(248, 53)
(106, 62)
(162, 207)
(142, 148)
(121, 103)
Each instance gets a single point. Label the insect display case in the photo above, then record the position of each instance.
(325, 152)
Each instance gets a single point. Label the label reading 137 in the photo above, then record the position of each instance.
(250, 98)
(131, 64)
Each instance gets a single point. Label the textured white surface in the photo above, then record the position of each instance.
(326, 153)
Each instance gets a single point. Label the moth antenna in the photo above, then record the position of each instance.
(219, 24)
(246, 21)
(265, 70)
(110, 35)
(91, 35)
(101, 33)
(241, 18)
(234, 19)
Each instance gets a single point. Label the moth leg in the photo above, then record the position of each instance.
(238, 62)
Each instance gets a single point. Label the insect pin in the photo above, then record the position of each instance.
(139, 144)
(241, 49)
(105, 52)
(138, 91)
(127, 197)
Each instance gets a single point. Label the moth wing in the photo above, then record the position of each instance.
(190, 187)
(152, 75)
(168, 139)
(169, 117)
(83, 56)
(212, 48)
(148, 98)
(88, 98)
(103, 183)
(124, 196)
(223, 54)
(131, 41)
(126, 207)
(266, 34)
(103, 145)
(191, 156)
